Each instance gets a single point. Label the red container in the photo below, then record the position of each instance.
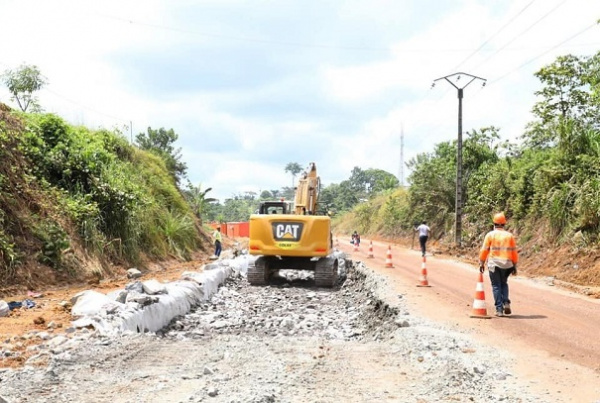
(237, 229)
(244, 229)
(233, 229)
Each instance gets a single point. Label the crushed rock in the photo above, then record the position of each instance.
(289, 342)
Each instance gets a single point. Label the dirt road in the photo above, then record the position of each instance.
(553, 332)
(376, 337)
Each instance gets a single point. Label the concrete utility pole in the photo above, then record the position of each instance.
(453, 81)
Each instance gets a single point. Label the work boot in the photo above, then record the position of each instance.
(499, 313)
(507, 310)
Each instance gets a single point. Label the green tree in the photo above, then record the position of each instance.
(288, 193)
(433, 177)
(367, 182)
(567, 93)
(562, 93)
(386, 183)
(266, 195)
(339, 197)
(395, 212)
(239, 208)
(197, 199)
(433, 186)
(360, 186)
(22, 83)
(160, 142)
(481, 146)
(592, 77)
(294, 169)
(213, 211)
(378, 180)
(358, 182)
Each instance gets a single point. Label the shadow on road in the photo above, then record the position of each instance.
(527, 316)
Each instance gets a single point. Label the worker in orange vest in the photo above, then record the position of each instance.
(500, 250)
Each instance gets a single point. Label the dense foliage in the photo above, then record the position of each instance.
(67, 187)
(161, 142)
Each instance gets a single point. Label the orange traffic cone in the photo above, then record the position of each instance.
(371, 250)
(423, 280)
(479, 309)
(388, 258)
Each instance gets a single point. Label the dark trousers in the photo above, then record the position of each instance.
(217, 248)
(423, 242)
(499, 280)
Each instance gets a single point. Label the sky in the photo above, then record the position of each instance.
(250, 86)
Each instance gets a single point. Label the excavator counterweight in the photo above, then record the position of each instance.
(285, 236)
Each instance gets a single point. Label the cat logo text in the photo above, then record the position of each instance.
(287, 231)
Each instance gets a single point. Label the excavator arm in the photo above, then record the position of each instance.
(307, 192)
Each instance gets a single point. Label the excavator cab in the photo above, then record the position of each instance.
(275, 207)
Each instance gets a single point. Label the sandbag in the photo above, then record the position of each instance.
(4, 309)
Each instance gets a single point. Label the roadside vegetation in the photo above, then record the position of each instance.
(74, 201)
(548, 183)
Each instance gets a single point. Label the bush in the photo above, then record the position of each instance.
(9, 256)
(180, 233)
(122, 200)
(54, 243)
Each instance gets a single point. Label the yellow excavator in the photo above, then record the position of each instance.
(293, 236)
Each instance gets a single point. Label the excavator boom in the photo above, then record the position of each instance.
(307, 192)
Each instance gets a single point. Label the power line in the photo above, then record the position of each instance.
(401, 154)
(78, 103)
(291, 43)
(243, 39)
(86, 107)
(546, 52)
(510, 21)
(520, 34)
(329, 47)
(494, 34)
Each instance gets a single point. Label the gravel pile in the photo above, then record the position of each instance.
(289, 342)
(294, 308)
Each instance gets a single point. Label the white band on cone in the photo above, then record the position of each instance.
(478, 304)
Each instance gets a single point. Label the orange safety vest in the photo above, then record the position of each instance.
(499, 244)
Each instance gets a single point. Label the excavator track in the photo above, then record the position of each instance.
(257, 272)
(326, 272)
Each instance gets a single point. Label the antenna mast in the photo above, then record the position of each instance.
(401, 154)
